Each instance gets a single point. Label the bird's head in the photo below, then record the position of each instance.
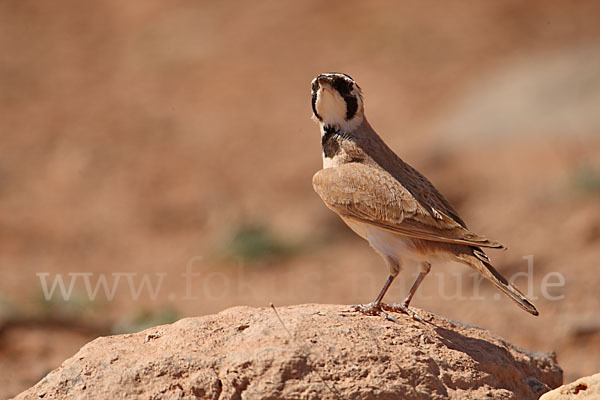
(337, 102)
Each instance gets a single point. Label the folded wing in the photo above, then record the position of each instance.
(373, 196)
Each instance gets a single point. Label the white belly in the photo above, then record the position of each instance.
(391, 244)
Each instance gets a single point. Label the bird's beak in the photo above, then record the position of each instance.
(324, 82)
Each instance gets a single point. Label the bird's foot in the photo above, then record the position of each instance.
(403, 308)
(374, 309)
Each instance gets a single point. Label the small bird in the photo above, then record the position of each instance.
(386, 201)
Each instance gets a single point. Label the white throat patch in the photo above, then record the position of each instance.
(331, 106)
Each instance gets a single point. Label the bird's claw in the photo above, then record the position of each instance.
(403, 308)
(381, 308)
(374, 309)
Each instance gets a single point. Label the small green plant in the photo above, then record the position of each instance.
(75, 306)
(587, 179)
(146, 318)
(8, 308)
(254, 242)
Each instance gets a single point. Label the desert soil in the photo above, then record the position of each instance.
(153, 137)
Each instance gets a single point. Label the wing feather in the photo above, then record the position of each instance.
(373, 196)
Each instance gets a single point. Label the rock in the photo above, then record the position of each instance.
(587, 388)
(318, 352)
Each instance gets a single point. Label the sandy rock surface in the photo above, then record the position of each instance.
(319, 351)
(587, 388)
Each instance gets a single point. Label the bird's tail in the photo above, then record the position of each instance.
(480, 262)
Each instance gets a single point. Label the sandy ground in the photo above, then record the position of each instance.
(153, 139)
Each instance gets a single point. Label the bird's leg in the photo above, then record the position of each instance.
(374, 308)
(425, 268)
(403, 307)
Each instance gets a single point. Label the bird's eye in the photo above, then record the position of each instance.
(342, 86)
(315, 86)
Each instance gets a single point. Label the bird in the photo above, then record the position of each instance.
(389, 203)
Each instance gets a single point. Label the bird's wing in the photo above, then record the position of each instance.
(373, 196)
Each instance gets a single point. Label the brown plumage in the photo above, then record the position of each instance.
(386, 201)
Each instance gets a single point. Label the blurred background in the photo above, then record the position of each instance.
(155, 138)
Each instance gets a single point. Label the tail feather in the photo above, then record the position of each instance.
(480, 262)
